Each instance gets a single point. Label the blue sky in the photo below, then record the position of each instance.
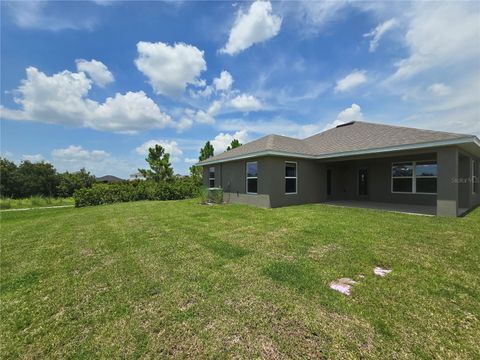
(94, 84)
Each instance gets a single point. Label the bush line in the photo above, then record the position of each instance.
(100, 194)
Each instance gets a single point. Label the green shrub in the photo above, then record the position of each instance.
(5, 203)
(204, 195)
(216, 195)
(100, 194)
(37, 200)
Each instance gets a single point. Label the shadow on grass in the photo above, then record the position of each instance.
(26, 280)
(298, 276)
(226, 250)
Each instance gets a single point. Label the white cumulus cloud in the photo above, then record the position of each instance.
(170, 69)
(352, 113)
(223, 140)
(224, 82)
(246, 103)
(257, 25)
(62, 99)
(377, 33)
(96, 70)
(33, 158)
(191, 116)
(99, 162)
(351, 81)
(76, 153)
(171, 147)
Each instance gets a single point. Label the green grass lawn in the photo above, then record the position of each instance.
(34, 202)
(157, 279)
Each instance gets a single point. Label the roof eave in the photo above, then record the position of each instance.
(425, 145)
(256, 154)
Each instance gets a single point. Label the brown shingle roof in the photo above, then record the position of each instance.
(361, 135)
(267, 143)
(354, 136)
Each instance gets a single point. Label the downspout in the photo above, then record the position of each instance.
(221, 175)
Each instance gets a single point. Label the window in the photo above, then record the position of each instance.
(252, 178)
(474, 177)
(414, 177)
(211, 177)
(402, 177)
(290, 178)
(426, 177)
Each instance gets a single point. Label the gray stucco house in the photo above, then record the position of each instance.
(354, 161)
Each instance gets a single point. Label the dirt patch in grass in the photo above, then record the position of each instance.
(318, 253)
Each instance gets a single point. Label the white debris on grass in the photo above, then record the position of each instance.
(381, 272)
(342, 285)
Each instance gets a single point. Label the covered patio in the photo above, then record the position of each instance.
(438, 182)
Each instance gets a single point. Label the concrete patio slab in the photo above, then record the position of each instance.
(401, 208)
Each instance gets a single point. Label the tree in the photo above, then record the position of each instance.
(234, 144)
(39, 178)
(69, 182)
(160, 167)
(196, 173)
(206, 152)
(8, 178)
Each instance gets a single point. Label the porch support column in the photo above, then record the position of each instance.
(447, 181)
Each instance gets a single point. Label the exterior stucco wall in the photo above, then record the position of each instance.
(447, 188)
(345, 180)
(312, 180)
(464, 185)
(475, 198)
(259, 200)
(231, 176)
(310, 184)
(206, 175)
(467, 198)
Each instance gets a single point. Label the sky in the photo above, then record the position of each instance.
(94, 84)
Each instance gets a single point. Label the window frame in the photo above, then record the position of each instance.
(291, 177)
(474, 177)
(413, 177)
(250, 177)
(210, 178)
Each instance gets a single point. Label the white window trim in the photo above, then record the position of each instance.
(209, 176)
(250, 177)
(474, 176)
(413, 177)
(292, 177)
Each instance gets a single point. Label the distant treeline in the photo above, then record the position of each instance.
(32, 179)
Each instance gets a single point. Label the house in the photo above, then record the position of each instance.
(107, 179)
(356, 161)
(137, 176)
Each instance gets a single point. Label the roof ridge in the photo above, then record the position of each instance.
(270, 138)
(411, 128)
(389, 125)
